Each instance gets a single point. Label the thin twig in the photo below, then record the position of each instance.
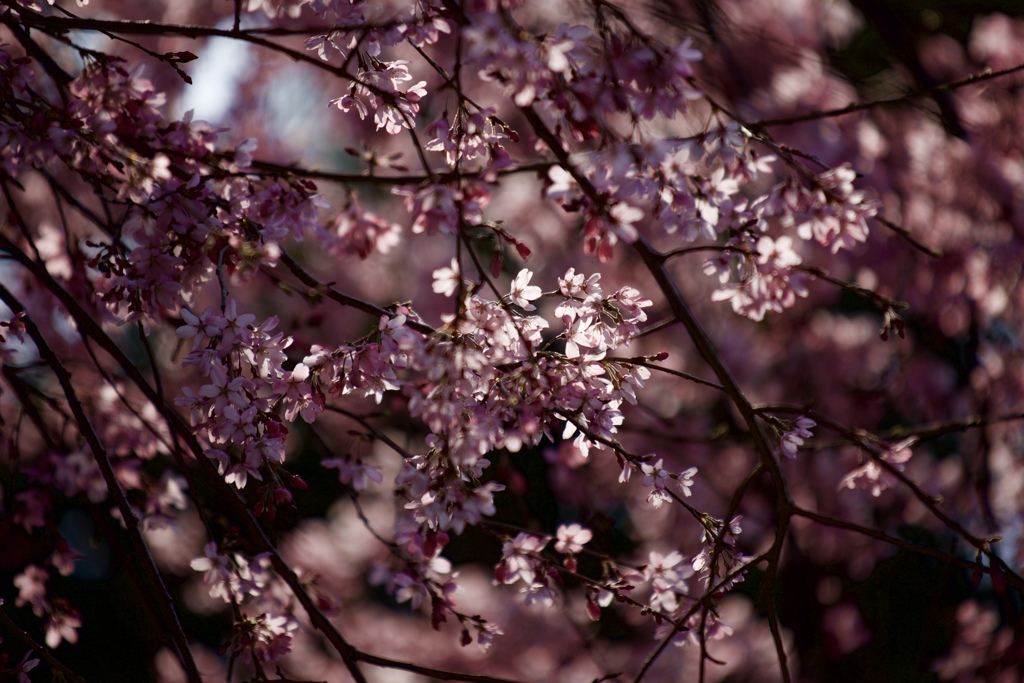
(980, 77)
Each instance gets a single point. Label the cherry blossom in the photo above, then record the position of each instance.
(873, 475)
(200, 317)
(793, 438)
(446, 280)
(62, 626)
(572, 538)
(522, 292)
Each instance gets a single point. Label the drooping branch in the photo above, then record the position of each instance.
(156, 593)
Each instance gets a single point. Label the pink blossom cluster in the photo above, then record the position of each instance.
(235, 411)
(62, 620)
(263, 635)
(188, 210)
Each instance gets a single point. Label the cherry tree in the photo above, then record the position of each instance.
(499, 340)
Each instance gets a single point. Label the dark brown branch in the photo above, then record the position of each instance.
(780, 647)
(923, 432)
(980, 77)
(982, 545)
(44, 653)
(836, 523)
(344, 299)
(669, 371)
(440, 177)
(439, 674)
